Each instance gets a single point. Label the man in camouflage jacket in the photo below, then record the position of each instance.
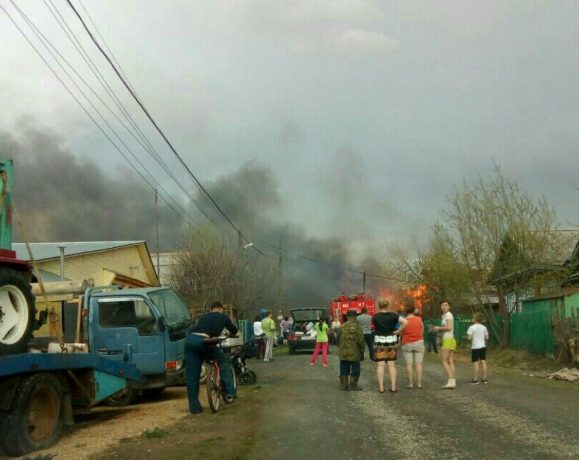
(351, 351)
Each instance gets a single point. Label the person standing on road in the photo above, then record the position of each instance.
(413, 346)
(365, 322)
(448, 344)
(286, 325)
(209, 325)
(258, 333)
(431, 337)
(270, 330)
(478, 334)
(386, 342)
(335, 330)
(321, 343)
(351, 342)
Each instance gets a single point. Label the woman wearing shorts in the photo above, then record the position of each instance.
(385, 323)
(413, 347)
(448, 344)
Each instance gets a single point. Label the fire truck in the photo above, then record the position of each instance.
(340, 305)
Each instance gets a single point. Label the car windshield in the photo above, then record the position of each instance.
(301, 316)
(171, 307)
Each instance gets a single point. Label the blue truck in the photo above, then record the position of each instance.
(129, 341)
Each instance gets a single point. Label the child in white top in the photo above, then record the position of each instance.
(478, 335)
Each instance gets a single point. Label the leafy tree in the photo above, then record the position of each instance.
(491, 234)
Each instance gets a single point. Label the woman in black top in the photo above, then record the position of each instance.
(385, 324)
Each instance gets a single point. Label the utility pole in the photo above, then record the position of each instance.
(157, 221)
(279, 276)
(364, 281)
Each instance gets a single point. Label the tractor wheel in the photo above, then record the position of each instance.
(36, 419)
(16, 312)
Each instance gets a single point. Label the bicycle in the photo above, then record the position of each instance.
(214, 385)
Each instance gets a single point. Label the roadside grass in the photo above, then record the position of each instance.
(281, 350)
(514, 359)
(154, 433)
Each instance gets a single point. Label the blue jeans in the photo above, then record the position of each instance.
(350, 368)
(195, 353)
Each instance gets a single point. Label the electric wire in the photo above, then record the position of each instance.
(144, 141)
(25, 36)
(52, 50)
(159, 130)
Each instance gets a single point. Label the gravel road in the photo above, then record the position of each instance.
(514, 416)
(298, 412)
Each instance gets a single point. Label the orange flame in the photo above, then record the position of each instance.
(419, 295)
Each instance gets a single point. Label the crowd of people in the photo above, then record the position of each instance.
(385, 334)
(394, 332)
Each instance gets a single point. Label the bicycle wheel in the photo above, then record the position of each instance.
(227, 400)
(213, 390)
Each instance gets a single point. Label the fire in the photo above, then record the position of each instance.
(418, 294)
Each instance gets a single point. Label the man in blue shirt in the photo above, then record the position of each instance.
(209, 325)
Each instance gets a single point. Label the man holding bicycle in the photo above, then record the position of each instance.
(210, 325)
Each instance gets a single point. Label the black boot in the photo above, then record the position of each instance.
(354, 383)
(344, 382)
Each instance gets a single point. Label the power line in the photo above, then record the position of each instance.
(331, 264)
(52, 50)
(86, 111)
(159, 130)
(141, 138)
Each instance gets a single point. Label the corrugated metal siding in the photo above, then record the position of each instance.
(126, 261)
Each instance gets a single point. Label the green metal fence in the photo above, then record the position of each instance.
(463, 322)
(531, 329)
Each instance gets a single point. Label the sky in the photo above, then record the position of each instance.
(363, 115)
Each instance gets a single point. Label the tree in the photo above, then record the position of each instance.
(213, 267)
(481, 218)
(490, 228)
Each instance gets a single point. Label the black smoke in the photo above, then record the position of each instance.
(64, 197)
(314, 269)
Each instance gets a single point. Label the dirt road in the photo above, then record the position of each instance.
(298, 412)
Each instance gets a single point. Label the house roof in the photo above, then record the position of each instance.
(46, 251)
(566, 246)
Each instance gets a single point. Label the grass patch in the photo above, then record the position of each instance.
(514, 359)
(155, 433)
(281, 350)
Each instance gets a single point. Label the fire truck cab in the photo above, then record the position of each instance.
(340, 305)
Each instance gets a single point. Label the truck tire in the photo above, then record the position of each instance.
(16, 312)
(124, 398)
(36, 418)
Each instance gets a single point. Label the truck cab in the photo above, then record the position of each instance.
(146, 326)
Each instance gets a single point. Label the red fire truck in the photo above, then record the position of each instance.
(340, 305)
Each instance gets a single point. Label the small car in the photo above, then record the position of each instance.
(302, 335)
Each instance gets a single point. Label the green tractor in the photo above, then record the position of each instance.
(17, 311)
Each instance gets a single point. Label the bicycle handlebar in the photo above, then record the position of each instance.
(219, 339)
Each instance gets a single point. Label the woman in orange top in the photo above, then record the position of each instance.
(413, 346)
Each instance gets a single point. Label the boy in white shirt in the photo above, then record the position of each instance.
(478, 335)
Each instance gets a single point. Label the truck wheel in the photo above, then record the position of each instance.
(36, 419)
(123, 398)
(16, 312)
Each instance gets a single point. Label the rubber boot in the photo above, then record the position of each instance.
(344, 382)
(450, 385)
(354, 383)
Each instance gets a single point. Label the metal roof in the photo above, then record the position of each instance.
(45, 251)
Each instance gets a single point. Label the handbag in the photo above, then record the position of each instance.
(385, 347)
(386, 340)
